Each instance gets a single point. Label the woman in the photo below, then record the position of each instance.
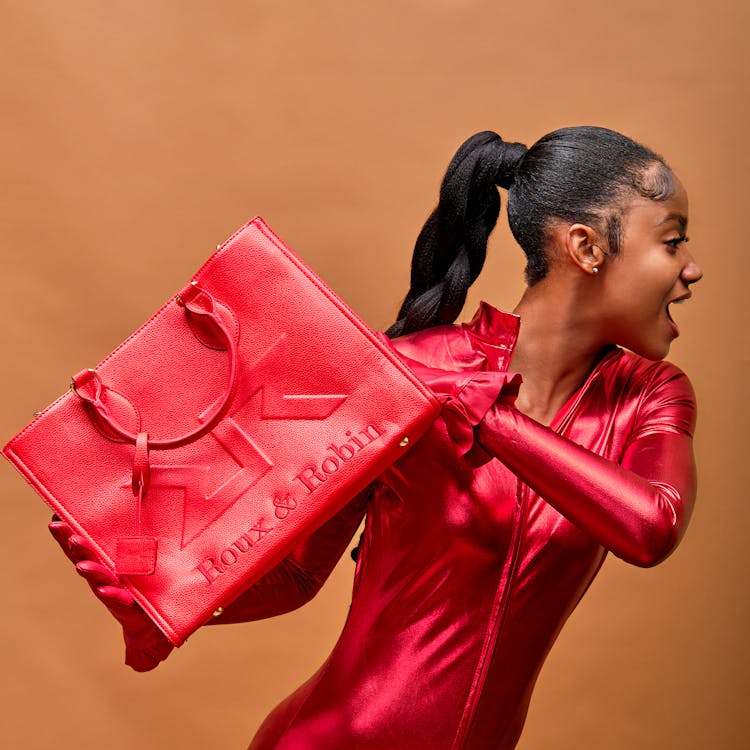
(469, 566)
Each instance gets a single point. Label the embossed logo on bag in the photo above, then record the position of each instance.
(311, 478)
(208, 496)
(213, 567)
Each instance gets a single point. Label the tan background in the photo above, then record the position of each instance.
(137, 135)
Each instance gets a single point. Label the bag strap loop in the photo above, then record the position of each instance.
(90, 388)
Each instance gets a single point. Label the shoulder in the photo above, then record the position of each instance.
(649, 376)
(445, 347)
(660, 392)
(484, 343)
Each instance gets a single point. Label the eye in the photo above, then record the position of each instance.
(677, 241)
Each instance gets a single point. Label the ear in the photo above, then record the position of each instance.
(582, 249)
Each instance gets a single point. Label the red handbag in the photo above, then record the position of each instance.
(243, 414)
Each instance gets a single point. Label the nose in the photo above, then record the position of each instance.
(691, 272)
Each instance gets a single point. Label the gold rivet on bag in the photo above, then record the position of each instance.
(218, 611)
(404, 442)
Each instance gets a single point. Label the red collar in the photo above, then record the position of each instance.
(494, 333)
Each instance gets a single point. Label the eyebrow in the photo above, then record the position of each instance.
(681, 219)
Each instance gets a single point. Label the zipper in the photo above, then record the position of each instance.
(502, 595)
(494, 625)
(564, 417)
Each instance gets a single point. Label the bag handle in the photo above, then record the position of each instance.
(89, 387)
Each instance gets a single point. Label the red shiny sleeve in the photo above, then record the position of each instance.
(637, 508)
(300, 575)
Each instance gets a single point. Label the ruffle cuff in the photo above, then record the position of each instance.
(465, 408)
(466, 397)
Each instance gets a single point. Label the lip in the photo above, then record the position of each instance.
(681, 298)
(676, 300)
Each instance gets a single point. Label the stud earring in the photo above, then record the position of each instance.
(595, 269)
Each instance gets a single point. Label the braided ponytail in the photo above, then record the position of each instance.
(452, 246)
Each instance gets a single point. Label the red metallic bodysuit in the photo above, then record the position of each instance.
(469, 567)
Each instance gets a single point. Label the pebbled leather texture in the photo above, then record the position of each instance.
(319, 407)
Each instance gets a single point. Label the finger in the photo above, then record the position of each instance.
(140, 662)
(143, 657)
(96, 574)
(80, 548)
(61, 533)
(116, 597)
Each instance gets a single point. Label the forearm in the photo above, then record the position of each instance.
(638, 509)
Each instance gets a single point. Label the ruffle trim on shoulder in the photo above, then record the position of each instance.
(484, 343)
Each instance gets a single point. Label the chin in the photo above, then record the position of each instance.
(651, 352)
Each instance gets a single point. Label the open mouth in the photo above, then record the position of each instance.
(677, 301)
(669, 312)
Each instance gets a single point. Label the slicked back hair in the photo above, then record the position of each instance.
(580, 174)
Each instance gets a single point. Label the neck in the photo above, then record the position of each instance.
(558, 346)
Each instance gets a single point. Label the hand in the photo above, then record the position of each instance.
(145, 644)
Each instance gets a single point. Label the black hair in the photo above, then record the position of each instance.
(578, 174)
